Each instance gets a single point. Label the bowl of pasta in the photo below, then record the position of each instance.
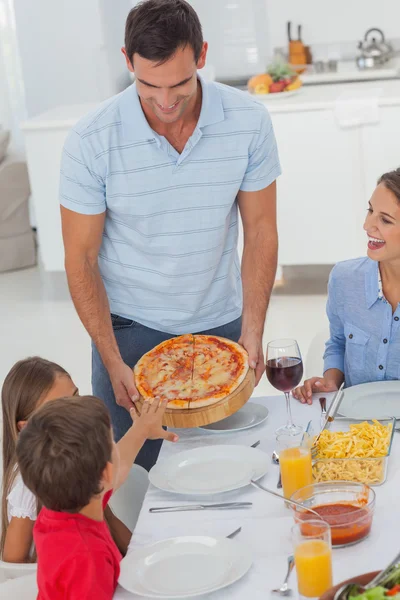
(346, 506)
(353, 450)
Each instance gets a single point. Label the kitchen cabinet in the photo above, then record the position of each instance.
(329, 172)
(320, 190)
(45, 135)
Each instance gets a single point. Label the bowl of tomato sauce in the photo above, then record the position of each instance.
(348, 508)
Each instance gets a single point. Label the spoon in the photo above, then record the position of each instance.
(291, 502)
(284, 590)
(275, 460)
(275, 457)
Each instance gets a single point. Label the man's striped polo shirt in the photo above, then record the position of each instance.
(169, 257)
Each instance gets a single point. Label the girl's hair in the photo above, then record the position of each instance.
(25, 385)
(391, 181)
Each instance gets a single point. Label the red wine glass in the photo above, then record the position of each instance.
(284, 368)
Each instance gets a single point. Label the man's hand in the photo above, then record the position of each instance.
(252, 343)
(149, 423)
(123, 383)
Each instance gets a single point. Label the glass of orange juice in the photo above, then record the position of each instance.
(295, 463)
(313, 558)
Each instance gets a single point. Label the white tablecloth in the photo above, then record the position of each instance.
(266, 526)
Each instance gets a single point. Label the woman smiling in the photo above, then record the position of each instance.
(363, 303)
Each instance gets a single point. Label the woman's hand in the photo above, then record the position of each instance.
(314, 385)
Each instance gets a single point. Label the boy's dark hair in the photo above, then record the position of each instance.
(155, 29)
(63, 450)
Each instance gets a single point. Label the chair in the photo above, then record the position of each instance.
(127, 501)
(23, 588)
(314, 363)
(15, 570)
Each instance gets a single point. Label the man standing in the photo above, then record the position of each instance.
(151, 183)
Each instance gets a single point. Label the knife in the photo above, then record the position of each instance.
(188, 507)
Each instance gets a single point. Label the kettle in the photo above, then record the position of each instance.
(373, 53)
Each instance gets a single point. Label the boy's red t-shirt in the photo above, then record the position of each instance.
(77, 557)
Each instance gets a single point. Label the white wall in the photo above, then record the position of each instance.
(12, 97)
(5, 109)
(243, 33)
(236, 33)
(331, 21)
(113, 16)
(68, 50)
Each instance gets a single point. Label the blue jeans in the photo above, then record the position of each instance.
(133, 341)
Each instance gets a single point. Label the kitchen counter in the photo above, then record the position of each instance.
(323, 97)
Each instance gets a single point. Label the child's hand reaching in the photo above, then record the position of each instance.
(149, 423)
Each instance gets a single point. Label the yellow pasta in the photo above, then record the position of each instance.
(346, 451)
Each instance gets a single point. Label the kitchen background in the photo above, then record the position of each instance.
(58, 58)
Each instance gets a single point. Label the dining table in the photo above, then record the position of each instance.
(266, 525)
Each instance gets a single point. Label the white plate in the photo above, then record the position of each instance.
(375, 400)
(209, 470)
(249, 415)
(184, 567)
(277, 96)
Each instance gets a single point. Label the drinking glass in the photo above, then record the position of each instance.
(284, 368)
(313, 558)
(294, 462)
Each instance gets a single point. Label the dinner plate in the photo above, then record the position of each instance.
(209, 470)
(184, 567)
(249, 415)
(375, 400)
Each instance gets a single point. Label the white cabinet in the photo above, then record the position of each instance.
(44, 140)
(321, 189)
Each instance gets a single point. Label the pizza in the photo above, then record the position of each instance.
(191, 371)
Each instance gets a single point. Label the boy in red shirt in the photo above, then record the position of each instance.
(69, 460)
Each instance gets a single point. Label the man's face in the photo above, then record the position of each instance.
(167, 89)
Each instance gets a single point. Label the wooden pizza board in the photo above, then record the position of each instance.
(198, 417)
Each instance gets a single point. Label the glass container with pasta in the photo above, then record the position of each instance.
(353, 450)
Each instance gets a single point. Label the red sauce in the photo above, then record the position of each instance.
(349, 523)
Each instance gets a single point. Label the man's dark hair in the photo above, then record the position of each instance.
(63, 450)
(155, 29)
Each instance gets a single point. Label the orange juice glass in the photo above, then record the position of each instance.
(295, 464)
(313, 558)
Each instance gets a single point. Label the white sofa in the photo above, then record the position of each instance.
(17, 240)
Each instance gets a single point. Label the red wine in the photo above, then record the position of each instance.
(284, 373)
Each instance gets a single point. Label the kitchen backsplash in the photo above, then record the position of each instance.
(345, 51)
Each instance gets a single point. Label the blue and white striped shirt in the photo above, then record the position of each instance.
(169, 252)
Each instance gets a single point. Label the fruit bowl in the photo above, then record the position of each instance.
(279, 80)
